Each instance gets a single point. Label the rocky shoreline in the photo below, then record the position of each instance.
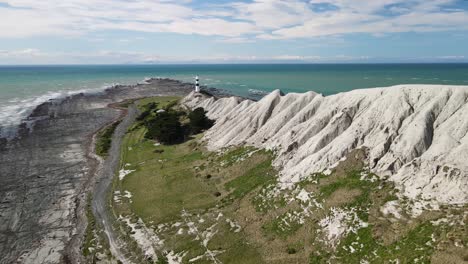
(47, 170)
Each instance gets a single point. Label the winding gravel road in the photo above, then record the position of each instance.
(107, 171)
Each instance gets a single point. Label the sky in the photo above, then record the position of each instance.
(222, 31)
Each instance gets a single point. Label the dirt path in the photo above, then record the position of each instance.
(106, 171)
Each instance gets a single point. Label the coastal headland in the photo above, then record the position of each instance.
(368, 176)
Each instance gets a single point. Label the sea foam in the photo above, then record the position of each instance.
(16, 111)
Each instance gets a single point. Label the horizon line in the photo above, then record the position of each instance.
(233, 63)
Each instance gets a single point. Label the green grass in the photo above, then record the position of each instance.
(237, 250)
(408, 248)
(352, 181)
(162, 101)
(294, 248)
(161, 190)
(104, 139)
(319, 257)
(89, 239)
(265, 201)
(164, 183)
(413, 246)
(235, 155)
(390, 197)
(260, 175)
(283, 225)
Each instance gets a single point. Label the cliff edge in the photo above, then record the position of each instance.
(416, 135)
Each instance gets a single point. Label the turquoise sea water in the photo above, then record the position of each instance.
(23, 87)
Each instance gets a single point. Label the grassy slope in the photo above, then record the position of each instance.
(181, 185)
(172, 179)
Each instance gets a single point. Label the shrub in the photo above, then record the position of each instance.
(149, 108)
(143, 115)
(166, 128)
(291, 250)
(104, 139)
(199, 121)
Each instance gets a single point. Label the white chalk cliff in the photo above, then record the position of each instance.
(415, 134)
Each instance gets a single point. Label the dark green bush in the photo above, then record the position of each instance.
(143, 115)
(166, 128)
(104, 139)
(291, 250)
(199, 121)
(149, 108)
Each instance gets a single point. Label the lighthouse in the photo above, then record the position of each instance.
(197, 85)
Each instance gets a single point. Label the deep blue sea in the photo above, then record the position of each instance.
(23, 87)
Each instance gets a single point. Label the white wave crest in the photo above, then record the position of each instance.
(14, 111)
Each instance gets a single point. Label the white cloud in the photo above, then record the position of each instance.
(235, 40)
(267, 14)
(451, 57)
(236, 21)
(36, 56)
(424, 16)
(20, 53)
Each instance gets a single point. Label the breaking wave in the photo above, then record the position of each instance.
(14, 111)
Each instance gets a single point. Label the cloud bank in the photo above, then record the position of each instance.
(234, 21)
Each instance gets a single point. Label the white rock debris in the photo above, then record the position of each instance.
(234, 226)
(415, 134)
(219, 216)
(117, 197)
(391, 208)
(303, 196)
(339, 223)
(124, 172)
(173, 258)
(208, 234)
(204, 236)
(366, 176)
(146, 238)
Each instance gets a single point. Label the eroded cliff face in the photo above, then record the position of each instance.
(414, 134)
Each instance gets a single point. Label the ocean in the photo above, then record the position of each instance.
(24, 87)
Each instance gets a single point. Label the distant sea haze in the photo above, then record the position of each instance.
(24, 87)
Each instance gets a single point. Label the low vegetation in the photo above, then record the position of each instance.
(169, 124)
(104, 139)
(94, 246)
(165, 127)
(89, 239)
(198, 121)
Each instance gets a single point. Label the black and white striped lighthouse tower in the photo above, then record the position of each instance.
(197, 85)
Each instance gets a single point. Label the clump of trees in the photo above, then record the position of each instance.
(173, 126)
(149, 109)
(199, 121)
(166, 128)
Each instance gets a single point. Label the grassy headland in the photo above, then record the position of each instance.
(183, 202)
